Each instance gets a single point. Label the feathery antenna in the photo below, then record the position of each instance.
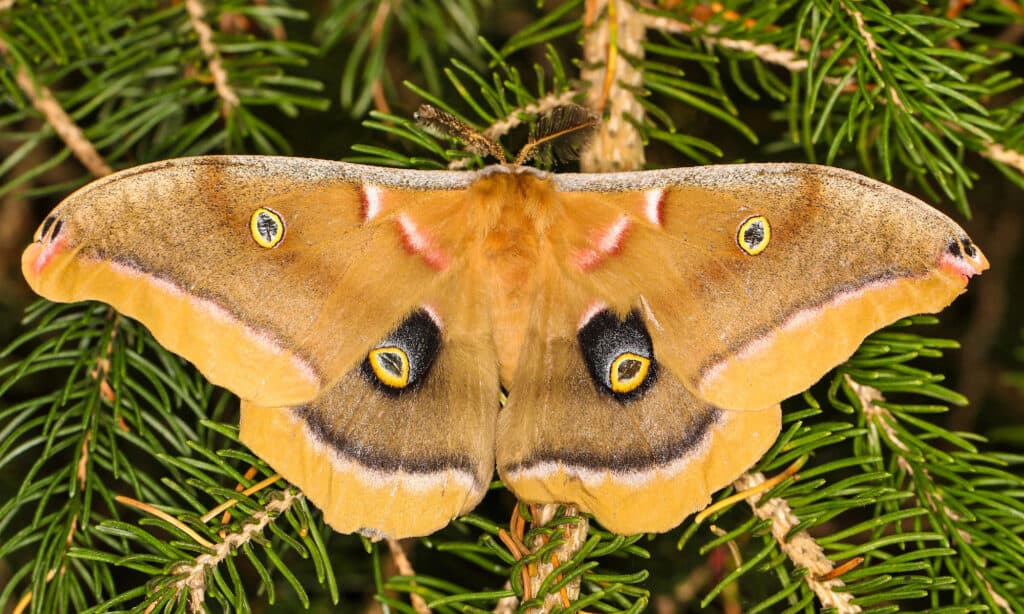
(559, 134)
(445, 124)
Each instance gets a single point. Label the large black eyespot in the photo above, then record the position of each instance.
(618, 354)
(404, 357)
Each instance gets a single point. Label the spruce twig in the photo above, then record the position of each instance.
(800, 547)
(196, 12)
(69, 132)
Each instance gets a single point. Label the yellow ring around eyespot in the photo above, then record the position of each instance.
(747, 223)
(386, 376)
(631, 384)
(262, 241)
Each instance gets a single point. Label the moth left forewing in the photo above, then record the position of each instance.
(247, 266)
(758, 279)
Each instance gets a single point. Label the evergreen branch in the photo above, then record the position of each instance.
(874, 574)
(78, 436)
(794, 62)
(405, 568)
(573, 538)
(799, 546)
(68, 131)
(230, 503)
(885, 63)
(196, 12)
(421, 31)
(540, 556)
(162, 515)
(380, 18)
(872, 48)
(619, 144)
(1003, 155)
(910, 460)
(767, 52)
(193, 580)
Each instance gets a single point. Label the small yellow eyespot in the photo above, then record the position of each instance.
(754, 234)
(267, 227)
(628, 372)
(391, 366)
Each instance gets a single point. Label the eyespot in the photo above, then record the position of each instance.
(267, 227)
(628, 372)
(404, 357)
(618, 354)
(391, 366)
(754, 235)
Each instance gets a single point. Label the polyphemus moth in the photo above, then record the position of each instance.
(645, 325)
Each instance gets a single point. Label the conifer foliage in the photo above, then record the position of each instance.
(124, 485)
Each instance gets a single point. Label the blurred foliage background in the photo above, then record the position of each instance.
(113, 452)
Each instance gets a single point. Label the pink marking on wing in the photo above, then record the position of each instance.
(795, 321)
(607, 242)
(372, 201)
(611, 242)
(587, 259)
(416, 242)
(960, 266)
(653, 201)
(592, 310)
(214, 312)
(47, 252)
(432, 312)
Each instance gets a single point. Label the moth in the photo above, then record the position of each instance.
(645, 325)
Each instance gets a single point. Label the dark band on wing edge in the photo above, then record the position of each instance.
(377, 460)
(688, 441)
